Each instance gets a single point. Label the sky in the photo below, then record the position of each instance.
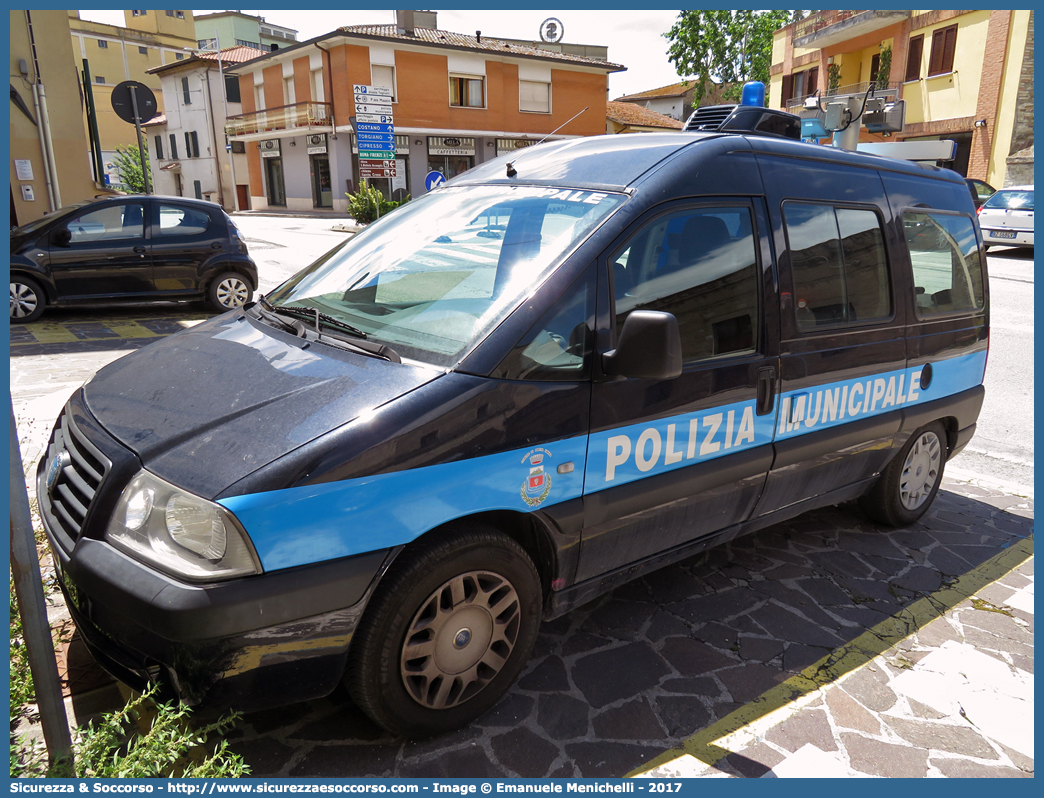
(634, 38)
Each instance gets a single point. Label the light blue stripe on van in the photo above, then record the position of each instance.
(313, 523)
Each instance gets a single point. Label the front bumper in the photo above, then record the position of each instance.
(250, 643)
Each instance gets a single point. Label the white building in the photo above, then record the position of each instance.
(188, 153)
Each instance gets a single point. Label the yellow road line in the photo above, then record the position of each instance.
(50, 334)
(131, 329)
(847, 658)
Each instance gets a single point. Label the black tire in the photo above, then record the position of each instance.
(907, 487)
(229, 291)
(27, 300)
(411, 666)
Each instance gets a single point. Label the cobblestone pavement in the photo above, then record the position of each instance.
(825, 644)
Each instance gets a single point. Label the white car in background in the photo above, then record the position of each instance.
(1007, 217)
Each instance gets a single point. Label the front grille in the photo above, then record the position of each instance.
(67, 501)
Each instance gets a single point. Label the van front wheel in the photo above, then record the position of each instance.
(446, 633)
(907, 487)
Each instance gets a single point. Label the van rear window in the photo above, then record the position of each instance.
(837, 257)
(944, 254)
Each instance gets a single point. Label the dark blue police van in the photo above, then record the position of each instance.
(564, 369)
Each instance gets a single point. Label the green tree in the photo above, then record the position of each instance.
(128, 161)
(717, 46)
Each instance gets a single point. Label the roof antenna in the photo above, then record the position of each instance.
(511, 166)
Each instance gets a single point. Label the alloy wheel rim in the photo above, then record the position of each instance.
(460, 639)
(231, 293)
(23, 300)
(920, 471)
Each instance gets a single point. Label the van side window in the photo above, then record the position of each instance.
(701, 265)
(837, 258)
(557, 346)
(944, 254)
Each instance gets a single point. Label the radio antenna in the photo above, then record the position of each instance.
(511, 166)
(570, 119)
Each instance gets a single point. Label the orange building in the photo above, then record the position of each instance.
(457, 101)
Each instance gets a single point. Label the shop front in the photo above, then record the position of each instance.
(451, 155)
(275, 181)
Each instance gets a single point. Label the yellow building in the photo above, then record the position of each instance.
(114, 54)
(959, 73)
(41, 184)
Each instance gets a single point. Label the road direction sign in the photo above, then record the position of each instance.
(377, 155)
(370, 127)
(381, 119)
(369, 172)
(365, 139)
(369, 108)
(434, 180)
(379, 91)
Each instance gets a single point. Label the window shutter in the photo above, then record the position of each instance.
(949, 48)
(913, 58)
(159, 148)
(944, 43)
(534, 96)
(173, 147)
(788, 89)
(813, 81)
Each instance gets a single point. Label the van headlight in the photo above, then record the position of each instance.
(179, 532)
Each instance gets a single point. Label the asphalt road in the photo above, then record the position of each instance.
(1002, 449)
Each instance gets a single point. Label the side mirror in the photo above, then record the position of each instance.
(61, 237)
(649, 347)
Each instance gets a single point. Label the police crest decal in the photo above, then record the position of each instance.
(537, 485)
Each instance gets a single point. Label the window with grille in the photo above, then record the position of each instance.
(467, 92)
(143, 50)
(534, 96)
(103, 44)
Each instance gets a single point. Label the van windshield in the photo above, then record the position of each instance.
(434, 276)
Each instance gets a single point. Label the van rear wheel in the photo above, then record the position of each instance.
(446, 633)
(907, 487)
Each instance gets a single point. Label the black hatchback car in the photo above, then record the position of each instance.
(129, 248)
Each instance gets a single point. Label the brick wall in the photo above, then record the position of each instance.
(989, 92)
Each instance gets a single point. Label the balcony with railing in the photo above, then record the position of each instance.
(272, 121)
(827, 28)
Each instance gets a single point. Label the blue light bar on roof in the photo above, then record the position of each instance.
(753, 94)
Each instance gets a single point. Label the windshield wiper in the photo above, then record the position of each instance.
(310, 313)
(321, 320)
(294, 326)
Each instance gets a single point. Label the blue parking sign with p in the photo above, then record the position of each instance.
(434, 180)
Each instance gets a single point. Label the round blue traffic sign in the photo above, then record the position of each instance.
(434, 180)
